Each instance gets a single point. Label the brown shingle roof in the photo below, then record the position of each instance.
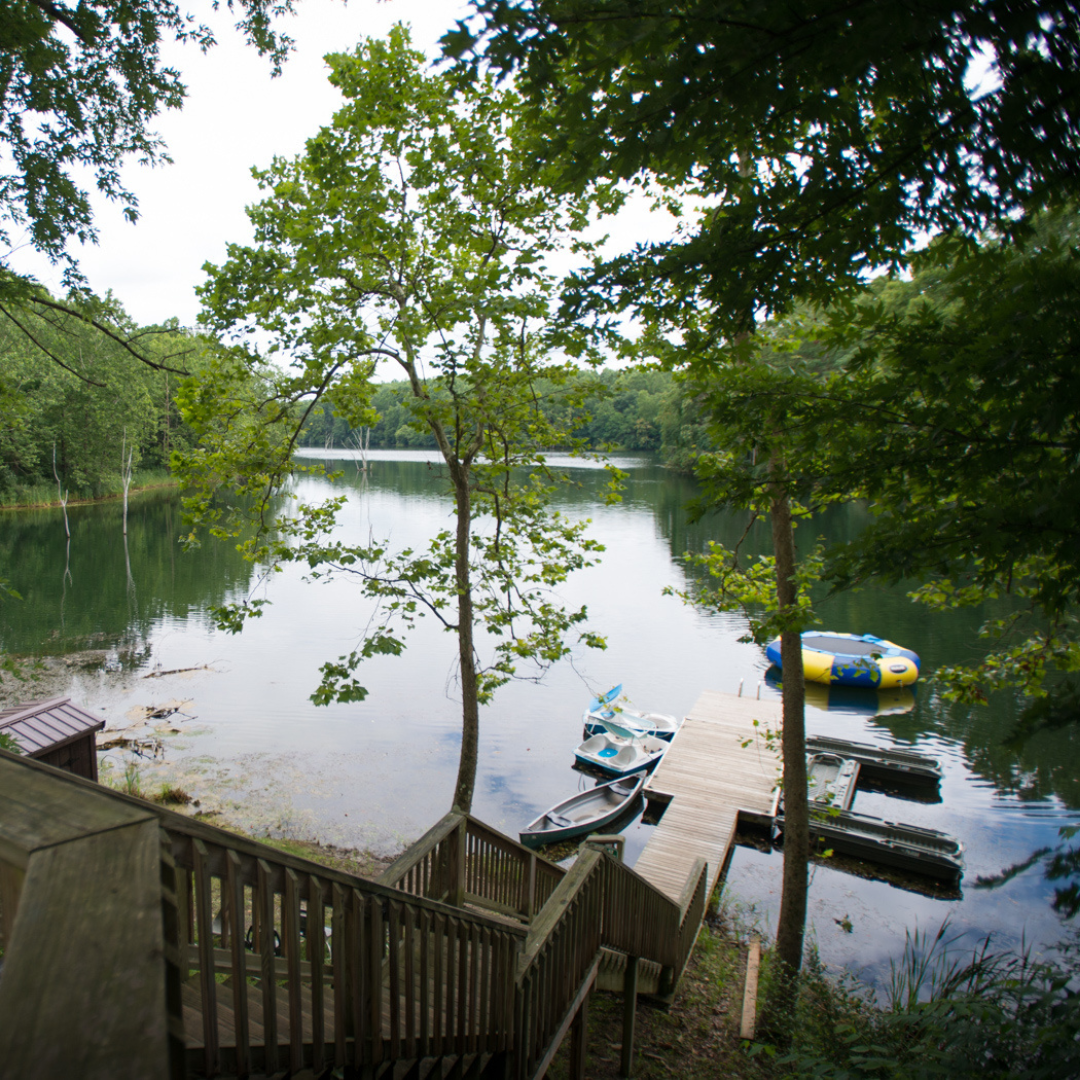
(41, 726)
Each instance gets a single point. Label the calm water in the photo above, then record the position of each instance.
(378, 773)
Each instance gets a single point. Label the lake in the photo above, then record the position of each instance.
(247, 741)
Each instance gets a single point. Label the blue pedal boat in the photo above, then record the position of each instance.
(620, 750)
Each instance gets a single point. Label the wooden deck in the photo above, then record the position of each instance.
(707, 778)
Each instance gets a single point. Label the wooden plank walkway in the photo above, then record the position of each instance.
(709, 776)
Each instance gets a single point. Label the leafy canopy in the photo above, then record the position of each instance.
(79, 86)
(956, 416)
(826, 136)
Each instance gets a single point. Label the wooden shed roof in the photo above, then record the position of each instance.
(41, 726)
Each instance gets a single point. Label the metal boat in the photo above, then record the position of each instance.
(587, 812)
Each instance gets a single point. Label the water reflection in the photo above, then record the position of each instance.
(857, 700)
(80, 592)
(379, 772)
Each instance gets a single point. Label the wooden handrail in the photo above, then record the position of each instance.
(416, 852)
(339, 970)
(460, 859)
(693, 879)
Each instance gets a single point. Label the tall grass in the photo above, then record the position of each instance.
(43, 493)
(947, 1014)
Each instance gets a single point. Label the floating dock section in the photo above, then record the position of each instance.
(720, 765)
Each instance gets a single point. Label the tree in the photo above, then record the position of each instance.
(79, 87)
(956, 416)
(66, 385)
(824, 139)
(414, 230)
(81, 84)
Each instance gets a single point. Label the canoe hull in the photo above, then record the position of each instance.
(584, 813)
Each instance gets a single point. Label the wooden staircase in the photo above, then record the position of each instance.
(470, 957)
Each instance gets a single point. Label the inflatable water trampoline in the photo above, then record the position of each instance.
(852, 660)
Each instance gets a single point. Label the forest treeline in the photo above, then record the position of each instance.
(75, 401)
(623, 410)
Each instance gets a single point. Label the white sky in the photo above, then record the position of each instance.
(235, 116)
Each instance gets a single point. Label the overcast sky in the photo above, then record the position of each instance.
(236, 116)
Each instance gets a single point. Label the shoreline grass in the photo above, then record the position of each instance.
(43, 496)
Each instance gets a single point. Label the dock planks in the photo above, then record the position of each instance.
(709, 776)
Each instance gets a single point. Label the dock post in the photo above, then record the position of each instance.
(630, 977)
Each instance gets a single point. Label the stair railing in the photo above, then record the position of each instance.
(370, 974)
(461, 860)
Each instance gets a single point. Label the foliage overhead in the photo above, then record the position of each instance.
(956, 415)
(825, 136)
(79, 85)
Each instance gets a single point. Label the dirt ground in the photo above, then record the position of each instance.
(695, 1038)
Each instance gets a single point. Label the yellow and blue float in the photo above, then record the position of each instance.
(852, 660)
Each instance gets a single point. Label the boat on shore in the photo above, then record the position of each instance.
(852, 660)
(584, 813)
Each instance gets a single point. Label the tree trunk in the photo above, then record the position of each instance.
(792, 922)
(470, 707)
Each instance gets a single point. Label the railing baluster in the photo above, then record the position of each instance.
(234, 890)
(315, 939)
(408, 944)
(394, 946)
(476, 969)
(204, 912)
(485, 1025)
(438, 923)
(343, 961)
(264, 902)
(290, 926)
(375, 980)
(451, 985)
(462, 941)
(423, 1048)
(361, 960)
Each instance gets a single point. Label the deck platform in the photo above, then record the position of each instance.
(707, 779)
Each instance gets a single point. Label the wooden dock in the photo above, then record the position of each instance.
(707, 779)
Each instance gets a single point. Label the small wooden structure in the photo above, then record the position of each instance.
(55, 732)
